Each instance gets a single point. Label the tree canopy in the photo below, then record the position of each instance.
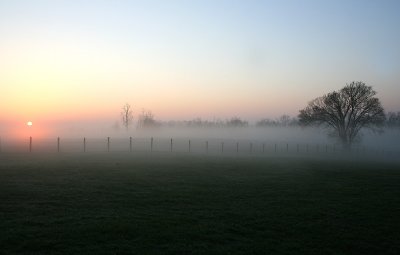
(346, 111)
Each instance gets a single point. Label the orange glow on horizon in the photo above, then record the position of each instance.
(24, 130)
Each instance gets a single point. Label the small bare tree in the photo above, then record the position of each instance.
(127, 115)
(346, 111)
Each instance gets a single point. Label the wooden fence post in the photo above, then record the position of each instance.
(171, 145)
(84, 144)
(130, 143)
(30, 144)
(58, 144)
(151, 144)
(189, 145)
(108, 144)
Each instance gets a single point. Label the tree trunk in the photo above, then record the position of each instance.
(346, 143)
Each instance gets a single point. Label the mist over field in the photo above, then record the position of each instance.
(248, 140)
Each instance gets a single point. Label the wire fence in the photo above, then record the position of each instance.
(187, 145)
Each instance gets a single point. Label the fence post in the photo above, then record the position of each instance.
(84, 144)
(58, 144)
(130, 143)
(0, 144)
(108, 144)
(151, 144)
(189, 145)
(30, 144)
(171, 145)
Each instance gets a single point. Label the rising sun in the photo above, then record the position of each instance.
(29, 123)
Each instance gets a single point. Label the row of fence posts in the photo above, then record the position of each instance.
(307, 146)
(189, 146)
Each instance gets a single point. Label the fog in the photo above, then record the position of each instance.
(248, 140)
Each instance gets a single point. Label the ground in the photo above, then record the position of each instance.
(160, 203)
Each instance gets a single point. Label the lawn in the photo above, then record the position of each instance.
(161, 203)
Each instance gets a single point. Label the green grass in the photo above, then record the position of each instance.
(182, 204)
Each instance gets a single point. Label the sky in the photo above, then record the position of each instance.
(73, 61)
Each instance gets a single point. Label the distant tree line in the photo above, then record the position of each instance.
(283, 121)
(146, 119)
(393, 120)
(216, 123)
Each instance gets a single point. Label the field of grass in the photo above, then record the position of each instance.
(116, 203)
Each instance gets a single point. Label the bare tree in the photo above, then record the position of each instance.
(346, 111)
(127, 115)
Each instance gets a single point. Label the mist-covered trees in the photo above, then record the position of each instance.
(345, 112)
(236, 122)
(393, 120)
(282, 121)
(146, 120)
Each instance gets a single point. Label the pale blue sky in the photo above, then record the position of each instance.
(187, 59)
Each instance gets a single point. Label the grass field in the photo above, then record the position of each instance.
(116, 203)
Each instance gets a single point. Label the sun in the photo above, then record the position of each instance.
(29, 123)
